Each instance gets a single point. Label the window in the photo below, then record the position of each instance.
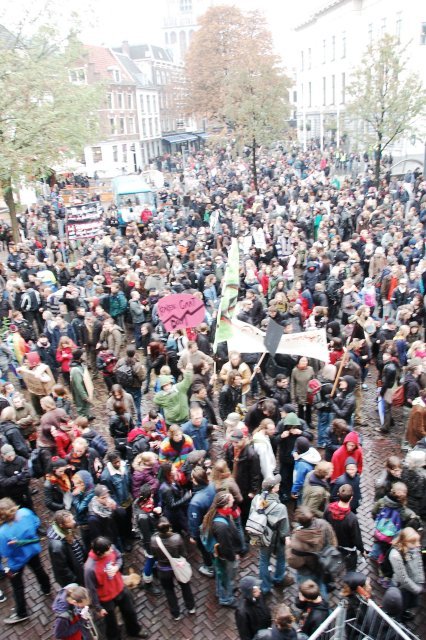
(333, 48)
(130, 125)
(116, 75)
(112, 126)
(333, 89)
(144, 127)
(324, 91)
(370, 34)
(173, 37)
(302, 61)
(154, 104)
(124, 152)
(344, 44)
(115, 153)
(77, 76)
(109, 101)
(121, 126)
(129, 101)
(97, 154)
(324, 51)
(185, 6)
(120, 100)
(423, 34)
(309, 58)
(343, 89)
(309, 94)
(157, 127)
(148, 103)
(142, 105)
(150, 127)
(143, 153)
(398, 25)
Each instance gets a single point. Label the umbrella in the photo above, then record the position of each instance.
(381, 409)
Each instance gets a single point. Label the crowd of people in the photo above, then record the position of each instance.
(207, 453)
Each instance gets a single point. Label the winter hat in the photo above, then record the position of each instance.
(329, 372)
(291, 420)
(350, 461)
(247, 585)
(392, 602)
(7, 449)
(302, 445)
(163, 380)
(86, 477)
(269, 483)
(354, 579)
(196, 456)
(233, 419)
(13, 328)
(288, 408)
(77, 354)
(57, 463)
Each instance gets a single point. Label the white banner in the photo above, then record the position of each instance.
(249, 339)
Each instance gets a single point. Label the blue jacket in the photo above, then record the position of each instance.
(119, 485)
(23, 527)
(198, 434)
(301, 469)
(201, 502)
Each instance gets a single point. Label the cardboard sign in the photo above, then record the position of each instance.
(181, 311)
(274, 333)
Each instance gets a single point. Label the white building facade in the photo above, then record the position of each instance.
(331, 43)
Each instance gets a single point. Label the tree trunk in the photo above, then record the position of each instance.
(9, 199)
(254, 166)
(377, 163)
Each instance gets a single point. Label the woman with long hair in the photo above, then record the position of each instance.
(173, 497)
(118, 394)
(120, 424)
(407, 566)
(220, 533)
(156, 358)
(64, 356)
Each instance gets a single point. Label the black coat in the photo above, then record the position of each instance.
(66, 566)
(53, 496)
(247, 474)
(14, 478)
(251, 616)
(228, 399)
(11, 434)
(255, 415)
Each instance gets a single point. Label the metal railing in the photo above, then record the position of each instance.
(370, 623)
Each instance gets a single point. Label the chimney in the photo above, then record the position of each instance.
(125, 47)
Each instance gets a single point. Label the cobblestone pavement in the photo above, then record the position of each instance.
(210, 621)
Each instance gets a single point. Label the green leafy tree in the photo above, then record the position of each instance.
(385, 96)
(43, 116)
(234, 78)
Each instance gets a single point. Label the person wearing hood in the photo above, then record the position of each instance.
(326, 379)
(287, 432)
(83, 491)
(71, 609)
(316, 488)
(300, 377)
(47, 354)
(173, 398)
(252, 613)
(352, 478)
(344, 404)
(103, 516)
(346, 526)
(311, 275)
(11, 433)
(81, 384)
(350, 449)
(38, 378)
(15, 477)
(305, 457)
(66, 552)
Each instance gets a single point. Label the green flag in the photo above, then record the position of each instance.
(228, 300)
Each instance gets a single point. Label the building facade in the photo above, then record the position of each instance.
(331, 43)
(180, 22)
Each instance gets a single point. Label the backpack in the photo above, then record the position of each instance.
(124, 375)
(329, 560)
(398, 398)
(98, 443)
(256, 526)
(207, 538)
(109, 362)
(35, 464)
(139, 445)
(388, 524)
(314, 392)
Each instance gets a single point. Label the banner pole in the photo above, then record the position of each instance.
(339, 373)
(261, 359)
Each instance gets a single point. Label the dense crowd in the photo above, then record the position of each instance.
(207, 447)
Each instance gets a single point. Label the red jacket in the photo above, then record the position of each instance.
(342, 454)
(64, 356)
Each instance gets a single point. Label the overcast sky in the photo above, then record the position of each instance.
(140, 20)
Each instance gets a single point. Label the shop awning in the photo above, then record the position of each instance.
(178, 138)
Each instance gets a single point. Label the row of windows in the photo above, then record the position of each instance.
(148, 102)
(120, 101)
(151, 127)
(307, 60)
(120, 126)
(329, 89)
(120, 153)
(171, 38)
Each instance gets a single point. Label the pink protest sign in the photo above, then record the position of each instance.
(181, 311)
